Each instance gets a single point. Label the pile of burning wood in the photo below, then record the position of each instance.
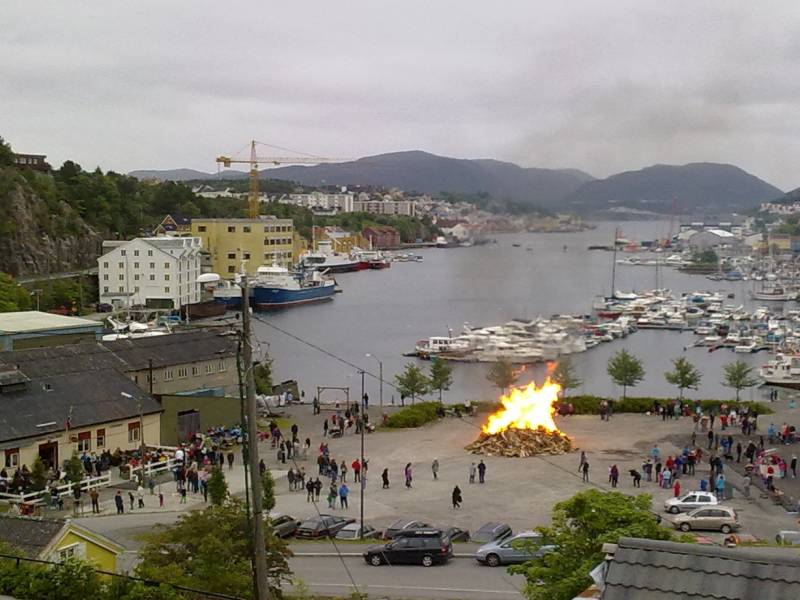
(513, 442)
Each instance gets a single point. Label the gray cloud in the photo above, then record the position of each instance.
(602, 86)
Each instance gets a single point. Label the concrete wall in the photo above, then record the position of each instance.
(214, 412)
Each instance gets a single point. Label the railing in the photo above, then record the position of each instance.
(62, 490)
(151, 468)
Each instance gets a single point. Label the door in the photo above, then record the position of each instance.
(417, 548)
(49, 454)
(188, 424)
(399, 553)
(689, 502)
(703, 519)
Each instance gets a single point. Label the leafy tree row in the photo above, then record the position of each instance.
(413, 382)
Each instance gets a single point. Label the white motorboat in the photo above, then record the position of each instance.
(746, 345)
(782, 371)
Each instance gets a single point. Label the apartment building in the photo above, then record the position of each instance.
(157, 272)
(256, 242)
(407, 208)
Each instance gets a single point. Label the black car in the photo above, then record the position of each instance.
(490, 532)
(424, 547)
(395, 528)
(284, 526)
(456, 534)
(322, 526)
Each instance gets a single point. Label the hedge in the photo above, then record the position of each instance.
(590, 405)
(413, 416)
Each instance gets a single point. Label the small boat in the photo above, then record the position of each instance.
(373, 259)
(783, 371)
(746, 345)
(276, 287)
(774, 294)
(325, 259)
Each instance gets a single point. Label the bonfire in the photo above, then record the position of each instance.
(525, 425)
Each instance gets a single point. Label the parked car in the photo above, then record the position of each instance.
(516, 549)
(352, 532)
(788, 538)
(717, 518)
(456, 534)
(104, 307)
(284, 526)
(322, 526)
(402, 525)
(424, 547)
(690, 501)
(489, 532)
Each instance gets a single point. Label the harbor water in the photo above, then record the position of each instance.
(385, 312)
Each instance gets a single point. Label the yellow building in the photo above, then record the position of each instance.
(56, 540)
(258, 242)
(341, 240)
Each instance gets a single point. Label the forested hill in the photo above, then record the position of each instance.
(53, 223)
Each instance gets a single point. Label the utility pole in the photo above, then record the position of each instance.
(380, 377)
(262, 585)
(363, 473)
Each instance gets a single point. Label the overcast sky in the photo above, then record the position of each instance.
(601, 86)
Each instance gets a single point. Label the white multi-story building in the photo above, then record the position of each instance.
(406, 208)
(321, 202)
(157, 272)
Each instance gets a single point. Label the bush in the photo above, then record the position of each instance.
(590, 405)
(414, 416)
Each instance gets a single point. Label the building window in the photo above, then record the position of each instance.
(121, 277)
(246, 229)
(12, 458)
(76, 550)
(101, 438)
(121, 265)
(85, 441)
(231, 229)
(152, 277)
(231, 269)
(201, 228)
(152, 265)
(169, 375)
(136, 253)
(136, 265)
(209, 368)
(105, 289)
(195, 371)
(166, 265)
(231, 256)
(105, 265)
(134, 432)
(149, 253)
(166, 277)
(121, 289)
(166, 289)
(136, 289)
(247, 256)
(122, 252)
(222, 366)
(136, 277)
(105, 276)
(183, 373)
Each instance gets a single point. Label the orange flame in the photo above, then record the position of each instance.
(529, 407)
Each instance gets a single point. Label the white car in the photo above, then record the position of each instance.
(690, 501)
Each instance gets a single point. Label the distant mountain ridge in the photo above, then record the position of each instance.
(692, 187)
(703, 186)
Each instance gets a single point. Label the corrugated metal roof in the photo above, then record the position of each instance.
(29, 321)
(671, 571)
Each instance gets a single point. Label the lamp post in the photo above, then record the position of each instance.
(380, 376)
(141, 425)
(363, 481)
(38, 293)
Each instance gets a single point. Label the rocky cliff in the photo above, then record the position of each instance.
(39, 236)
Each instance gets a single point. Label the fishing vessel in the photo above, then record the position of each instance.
(276, 287)
(229, 294)
(373, 259)
(783, 371)
(325, 259)
(773, 294)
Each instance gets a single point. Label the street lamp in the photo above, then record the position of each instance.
(363, 473)
(380, 375)
(141, 425)
(38, 294)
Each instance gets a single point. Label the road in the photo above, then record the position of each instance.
(459, 579)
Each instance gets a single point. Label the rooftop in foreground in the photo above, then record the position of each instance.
(33, 320)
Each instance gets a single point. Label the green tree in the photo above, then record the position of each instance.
(565, 376)
(580, 527)
(738, 376)
(502, 374)
(217, 486)
(210, 550)
(38, 474)
(441, 377)
(262, 374)
(684, 375)
(625, 370)
(267, 491)
(74, 469)
(412, 382)
(13, 297)
(6, 153)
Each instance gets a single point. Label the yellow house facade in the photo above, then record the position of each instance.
(257, 242)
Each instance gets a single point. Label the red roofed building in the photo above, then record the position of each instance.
(382, 236)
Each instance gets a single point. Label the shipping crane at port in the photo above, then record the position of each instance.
(255, 160)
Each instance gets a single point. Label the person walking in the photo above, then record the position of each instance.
(583, 460)
(435, 469)
(131, 499)
(746, 481)
(614, 474)
(317, 488)
(95, 496)
(119, 502)
(637, 478)
(356, 466)
(309, 490)
(585, 473)
(457, 497)
(161, 499)
(325, 428)
(343, 492)
(472, 471)
(408, 475)
(720, 487)
(481, 472)
(231, 456)
(793, 465)
(332, 493)
(140, 496)
(343, 471)
(676, 488)
(385, 478)
(183, 495)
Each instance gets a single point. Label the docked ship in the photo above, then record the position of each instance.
(275, 287)
(325, 259)
(229, 294)
(373, 259)
(783, 371)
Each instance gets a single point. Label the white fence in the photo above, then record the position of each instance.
(62, 490)
(151, 468)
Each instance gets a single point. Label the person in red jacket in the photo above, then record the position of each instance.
(356, 465)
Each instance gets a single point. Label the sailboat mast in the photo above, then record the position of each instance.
(614, 262)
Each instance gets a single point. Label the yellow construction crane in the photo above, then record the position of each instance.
(255, 160)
